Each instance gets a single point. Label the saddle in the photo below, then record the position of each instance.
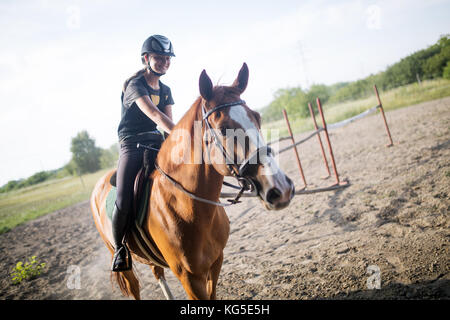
(141, 202)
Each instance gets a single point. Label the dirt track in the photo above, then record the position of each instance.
(394, 217)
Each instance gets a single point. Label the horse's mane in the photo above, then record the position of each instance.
(193, 113)
(185, 123)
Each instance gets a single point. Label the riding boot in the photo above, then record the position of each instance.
(122, 256)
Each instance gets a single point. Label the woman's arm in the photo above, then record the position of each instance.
(161, 119)
(168, 112)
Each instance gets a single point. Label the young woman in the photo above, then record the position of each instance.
(146, 103)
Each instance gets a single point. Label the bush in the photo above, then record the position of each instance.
(27, 271)
(446, 73)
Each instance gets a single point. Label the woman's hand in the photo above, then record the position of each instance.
(161, 119)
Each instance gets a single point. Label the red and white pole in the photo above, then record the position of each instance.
(384, 117)
(313, 116)
(319, 106)
(295, 148)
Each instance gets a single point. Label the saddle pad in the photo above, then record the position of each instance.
(110, 201)
(146, 245)
(143, 205)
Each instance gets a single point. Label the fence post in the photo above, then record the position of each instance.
(295, 148)
(384, 117)
(313, 116)
(319, 106)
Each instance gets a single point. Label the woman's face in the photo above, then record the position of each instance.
(159, 63)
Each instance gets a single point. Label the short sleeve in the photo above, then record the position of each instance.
(134, 90)
(169, 98)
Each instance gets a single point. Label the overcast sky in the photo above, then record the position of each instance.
(63, 63)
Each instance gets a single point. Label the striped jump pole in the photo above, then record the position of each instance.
(295, 148)
(327, 138)
(384, 117)
(313, 116)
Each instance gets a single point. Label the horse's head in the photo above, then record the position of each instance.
(235, 144)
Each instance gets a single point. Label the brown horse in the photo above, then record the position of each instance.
(185, 219)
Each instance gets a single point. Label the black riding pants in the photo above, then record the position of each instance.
(130, 161)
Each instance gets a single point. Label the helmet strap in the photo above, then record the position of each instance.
(153, 71)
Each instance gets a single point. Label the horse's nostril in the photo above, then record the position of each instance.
(273, 195)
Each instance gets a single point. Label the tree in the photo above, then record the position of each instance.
(85, 154)
(109, 156)
(446, 73)
(435, 65)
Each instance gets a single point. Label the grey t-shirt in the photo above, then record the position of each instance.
(134, 122)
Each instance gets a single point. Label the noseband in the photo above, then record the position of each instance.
(237, 172)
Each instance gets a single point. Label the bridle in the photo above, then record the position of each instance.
(237, 171)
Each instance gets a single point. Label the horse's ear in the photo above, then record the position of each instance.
(206, 86)
(242, 79)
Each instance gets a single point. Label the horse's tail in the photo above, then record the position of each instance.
(128, 283)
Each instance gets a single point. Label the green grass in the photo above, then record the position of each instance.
(25, 204)
(392, 99)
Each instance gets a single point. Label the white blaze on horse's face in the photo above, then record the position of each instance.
(274, 187)
(239, 114)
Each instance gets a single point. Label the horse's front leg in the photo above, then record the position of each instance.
(214, 277)
(194, 285)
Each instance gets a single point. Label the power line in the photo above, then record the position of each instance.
(303, 61)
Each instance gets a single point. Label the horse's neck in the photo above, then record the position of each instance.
(195, 176)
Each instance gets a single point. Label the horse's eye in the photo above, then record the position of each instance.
(218, 114)
(223, 131)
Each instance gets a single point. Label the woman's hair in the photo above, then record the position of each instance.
(137, 74)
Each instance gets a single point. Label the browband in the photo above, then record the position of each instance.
(225, 105)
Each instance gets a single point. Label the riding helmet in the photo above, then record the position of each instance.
(158, 44)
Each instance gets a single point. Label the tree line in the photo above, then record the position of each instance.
(429, 63)
(86, 158)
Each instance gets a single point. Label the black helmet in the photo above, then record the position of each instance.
(157, 44)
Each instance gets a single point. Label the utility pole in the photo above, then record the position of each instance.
(303, 62)
(418, 79)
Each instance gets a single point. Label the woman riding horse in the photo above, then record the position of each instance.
(185, 219)
(146, 103)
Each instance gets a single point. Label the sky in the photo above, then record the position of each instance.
(63, 62)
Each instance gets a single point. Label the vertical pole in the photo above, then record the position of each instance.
(295, 148)
(319, 106)
(384, 117)
(81, 178)
(313, 116)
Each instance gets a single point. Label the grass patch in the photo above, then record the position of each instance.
(393, 99)
(25, 204)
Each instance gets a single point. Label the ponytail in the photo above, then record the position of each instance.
(134, 76)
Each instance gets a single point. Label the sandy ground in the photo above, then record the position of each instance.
(393, 218)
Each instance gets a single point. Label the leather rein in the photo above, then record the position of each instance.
(245, 184)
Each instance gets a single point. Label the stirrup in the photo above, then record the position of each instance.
(121, 260)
